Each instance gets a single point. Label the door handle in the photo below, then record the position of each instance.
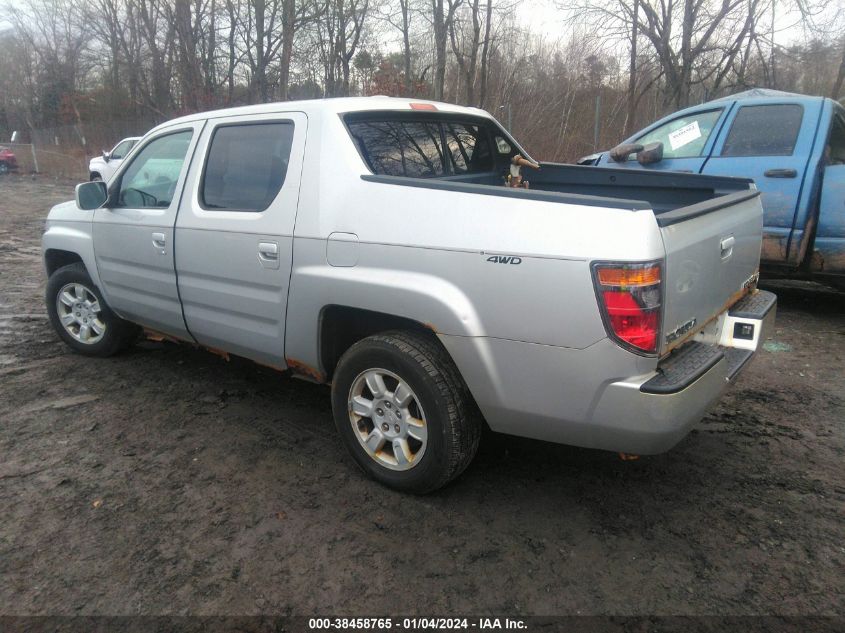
(159, 241)
(780, 173)
(268, 254)
(268, 250)
(727, 246)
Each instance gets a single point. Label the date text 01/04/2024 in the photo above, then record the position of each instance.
(416, 623)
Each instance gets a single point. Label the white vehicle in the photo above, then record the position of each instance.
(371, 244)
(102, 168)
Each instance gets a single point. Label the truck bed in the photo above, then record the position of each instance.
(575, 184)
(710, 227)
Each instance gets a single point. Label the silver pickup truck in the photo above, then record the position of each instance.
(373, 245)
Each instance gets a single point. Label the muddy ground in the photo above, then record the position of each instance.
(169, 481)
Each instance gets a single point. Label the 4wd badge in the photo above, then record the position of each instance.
(504, 259)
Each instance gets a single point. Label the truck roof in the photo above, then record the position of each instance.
(761, 93)
(337, 105)
(766, 93)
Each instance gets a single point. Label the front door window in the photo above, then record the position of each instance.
(684, 137)
(150, 180)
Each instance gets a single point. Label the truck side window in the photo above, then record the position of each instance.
(684, 137)
(503, 146)
(400, 148)
(469, 148)
(835, 150)
(246, 166)
(150, 180)
(121, 150)
(764, 130)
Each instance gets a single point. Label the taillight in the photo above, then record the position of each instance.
(630, 299)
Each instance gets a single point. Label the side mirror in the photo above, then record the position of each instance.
(620, 153)
(651, 153)
(590, 159)
(106, 156)
(91, 195)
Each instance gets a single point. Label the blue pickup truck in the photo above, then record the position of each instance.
(793, 146)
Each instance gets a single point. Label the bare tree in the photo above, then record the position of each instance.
(466, 43)
(339, 32)
(840, 75)
(692, 39)
(295, 14)
(120, 66)
(158, 33)
(632, 71)
(190, 76)
(485, 53)
(400, 17)
(57, 37)
(441, 19)
(262, 42)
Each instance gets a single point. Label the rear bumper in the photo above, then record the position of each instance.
(571, 397)
(660, 411)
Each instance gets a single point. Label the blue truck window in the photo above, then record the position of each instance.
(764, 130)
(684, 137)
(835, 150)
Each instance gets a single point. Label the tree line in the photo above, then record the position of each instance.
(93, 70)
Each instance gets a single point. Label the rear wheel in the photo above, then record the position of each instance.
(403, 411)
(4, 168)
(95, 177)
(81, 317)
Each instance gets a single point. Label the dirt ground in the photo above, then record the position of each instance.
(169, 481)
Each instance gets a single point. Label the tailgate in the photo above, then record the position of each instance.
(712, 258)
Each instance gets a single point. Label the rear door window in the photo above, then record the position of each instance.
(246, 166)
(764, 130)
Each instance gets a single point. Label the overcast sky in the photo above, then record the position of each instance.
(542, 16)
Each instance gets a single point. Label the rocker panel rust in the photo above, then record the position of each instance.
(305, 370)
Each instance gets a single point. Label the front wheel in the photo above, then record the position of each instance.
(81, 317)
(403, 411)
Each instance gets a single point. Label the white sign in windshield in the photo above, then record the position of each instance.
(683, 136)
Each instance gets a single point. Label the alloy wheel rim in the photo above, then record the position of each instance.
(80, 313)
(387, 419)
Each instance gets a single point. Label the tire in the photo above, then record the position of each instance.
(95, 177)
(4, 168)
(451, 422)
(71, 290)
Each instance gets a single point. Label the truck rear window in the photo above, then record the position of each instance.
(469, 148)
(423, 148)
(400, 148)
